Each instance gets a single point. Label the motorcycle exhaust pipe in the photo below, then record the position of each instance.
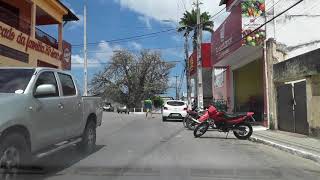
(195, 120)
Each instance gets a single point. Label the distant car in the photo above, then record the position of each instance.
(174, 109)
(123, 109)
(108, 107)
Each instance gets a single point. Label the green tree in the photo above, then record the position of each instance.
(188, 24)
(157, 101)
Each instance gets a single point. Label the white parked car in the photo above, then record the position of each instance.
(174, 109)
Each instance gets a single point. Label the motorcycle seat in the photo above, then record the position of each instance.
(234, 115)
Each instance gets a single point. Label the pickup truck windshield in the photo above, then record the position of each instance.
(14, 80)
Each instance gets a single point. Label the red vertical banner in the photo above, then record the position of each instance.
(66, 56)
(227, 38)
(206, 55)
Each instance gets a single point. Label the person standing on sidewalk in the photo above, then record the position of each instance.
(148, 106)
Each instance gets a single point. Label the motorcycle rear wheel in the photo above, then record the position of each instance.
(201, 129)
(246, 133)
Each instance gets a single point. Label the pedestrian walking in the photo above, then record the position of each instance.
(148, 107)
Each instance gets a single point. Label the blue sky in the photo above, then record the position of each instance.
(113, 19)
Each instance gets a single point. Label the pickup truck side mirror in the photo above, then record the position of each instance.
(45, 90)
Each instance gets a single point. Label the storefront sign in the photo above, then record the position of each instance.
(227, 38)
(66, 59)
(253, 13)
(29, 43)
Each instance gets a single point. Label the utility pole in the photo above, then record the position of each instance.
(177, 95)
(85, 70)
(199, 59)
(186, 45)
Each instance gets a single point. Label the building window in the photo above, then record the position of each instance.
(14, 54)
(9, 15)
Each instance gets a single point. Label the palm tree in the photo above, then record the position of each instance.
(188, 23)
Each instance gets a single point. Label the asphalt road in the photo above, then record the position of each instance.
(131, 147)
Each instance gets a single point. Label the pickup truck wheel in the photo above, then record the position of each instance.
(88, 142)
(14, 154)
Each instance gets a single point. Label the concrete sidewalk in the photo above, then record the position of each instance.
(296, 144)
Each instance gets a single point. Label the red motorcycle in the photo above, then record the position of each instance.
(239, 123)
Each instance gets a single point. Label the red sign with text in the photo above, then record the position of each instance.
(66, 56)
(228, 37)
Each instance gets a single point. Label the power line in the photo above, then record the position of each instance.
(164, 48)
(130, 37)
(122, 41)
(184, 5)
(217, 14)
(316, 4)
(109, 63)
(295, 4)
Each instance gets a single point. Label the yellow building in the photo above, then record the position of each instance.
(23, 44)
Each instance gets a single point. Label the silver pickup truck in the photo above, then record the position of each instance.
(42, 111)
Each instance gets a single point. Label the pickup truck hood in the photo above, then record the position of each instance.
(12, 102)
(6, 98)
(12, 108)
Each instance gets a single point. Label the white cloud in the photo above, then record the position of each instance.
(97, 57)
(75, 24)
(168, 9)
(134, 45)
(146, 21)
(105, 51)
(78, 60)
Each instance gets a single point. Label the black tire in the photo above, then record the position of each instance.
(16, 147)
(191, 125)
(164, 119)
(201, 129)
(88, 143)
(247, 134)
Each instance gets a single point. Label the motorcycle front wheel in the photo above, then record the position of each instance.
(243, 131)
(201, 129)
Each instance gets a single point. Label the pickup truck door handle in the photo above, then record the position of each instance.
(60, 105)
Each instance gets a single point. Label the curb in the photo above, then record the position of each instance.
(294, 151)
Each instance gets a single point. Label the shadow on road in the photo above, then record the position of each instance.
(217, 137)
(169, 121)
(51, 165)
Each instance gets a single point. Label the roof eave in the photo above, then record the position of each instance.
(70, 16)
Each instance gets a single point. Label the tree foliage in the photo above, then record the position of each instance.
(130, 78)
(188, 24)
(157, 101)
